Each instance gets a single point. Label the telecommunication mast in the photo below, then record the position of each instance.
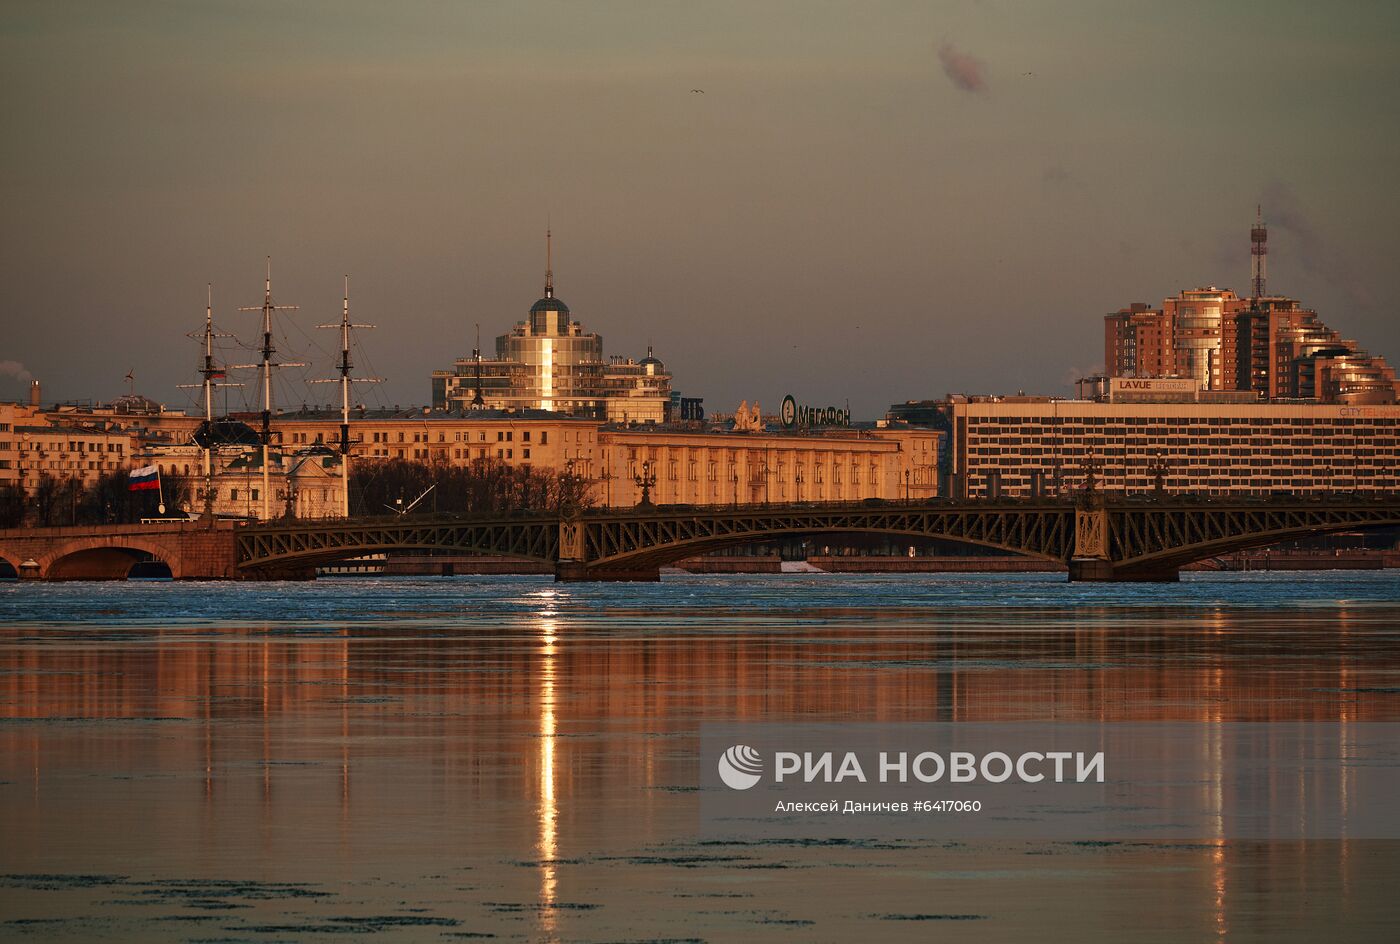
(1258, 253)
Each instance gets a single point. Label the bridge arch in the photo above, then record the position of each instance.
(9, 565)
(107, 557)
(265, 550)
(670, 552)
(1175, 557)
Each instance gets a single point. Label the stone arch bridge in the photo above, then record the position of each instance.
(1138, 539)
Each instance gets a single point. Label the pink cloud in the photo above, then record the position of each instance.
(965, 72)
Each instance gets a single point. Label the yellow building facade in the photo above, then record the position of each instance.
(689, 464)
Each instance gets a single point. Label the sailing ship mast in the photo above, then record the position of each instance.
(265, 369)
(210, 371)
(345, 381)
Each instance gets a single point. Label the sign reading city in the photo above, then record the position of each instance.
(795, 416)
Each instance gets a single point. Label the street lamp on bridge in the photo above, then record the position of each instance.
(646, 481)
(1158, 470)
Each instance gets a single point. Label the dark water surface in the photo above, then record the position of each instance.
(510, 759)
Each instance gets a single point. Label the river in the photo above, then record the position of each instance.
(506, 758)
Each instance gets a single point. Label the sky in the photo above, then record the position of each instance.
(867, 203)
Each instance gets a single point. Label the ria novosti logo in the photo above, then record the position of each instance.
(740, 767)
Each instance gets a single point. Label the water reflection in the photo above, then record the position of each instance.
(533, 775)
(548, 849)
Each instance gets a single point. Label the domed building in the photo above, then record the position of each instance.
(549, 362)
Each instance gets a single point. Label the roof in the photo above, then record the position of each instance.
(418, 415)
(549, 303)
(226, 432)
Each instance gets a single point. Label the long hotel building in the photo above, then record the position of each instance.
(1144, 430)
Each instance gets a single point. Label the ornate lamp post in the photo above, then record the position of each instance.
(1158, 470)
(646, 481)
(906, 485)
(1090, 484)
(566, 491)
(607, 477)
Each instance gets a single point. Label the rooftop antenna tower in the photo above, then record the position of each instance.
(345, 380)
(1258, 253)
(478, 401)
(265, 369)
(211, 372)
(548, 265)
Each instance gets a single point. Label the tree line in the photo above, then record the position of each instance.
(376, 488)
(60, 502)
(484, 486)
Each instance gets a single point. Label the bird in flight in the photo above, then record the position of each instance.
(697, 91)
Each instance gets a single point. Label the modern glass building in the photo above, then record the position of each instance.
(549, 362)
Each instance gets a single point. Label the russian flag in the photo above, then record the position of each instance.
(146, 477)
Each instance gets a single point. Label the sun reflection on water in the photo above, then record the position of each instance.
(548, 820)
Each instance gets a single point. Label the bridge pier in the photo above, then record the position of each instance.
(579, 572)
(1094, 570)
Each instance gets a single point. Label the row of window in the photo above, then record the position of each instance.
(78, 446)
(1114, 462)
(993, 425)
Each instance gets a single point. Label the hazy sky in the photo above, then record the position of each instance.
(876, 201)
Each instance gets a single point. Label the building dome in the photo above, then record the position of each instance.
(652, 365)
(549, 303)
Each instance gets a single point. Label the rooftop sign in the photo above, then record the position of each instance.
(802, 416)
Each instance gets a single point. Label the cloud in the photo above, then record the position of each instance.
(16, 370)
(964, 71)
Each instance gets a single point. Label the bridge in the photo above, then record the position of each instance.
(1139, 539)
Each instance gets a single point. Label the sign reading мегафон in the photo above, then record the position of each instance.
(795, 415)
(1170, 780)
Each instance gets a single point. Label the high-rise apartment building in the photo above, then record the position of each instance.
(1268, 344)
